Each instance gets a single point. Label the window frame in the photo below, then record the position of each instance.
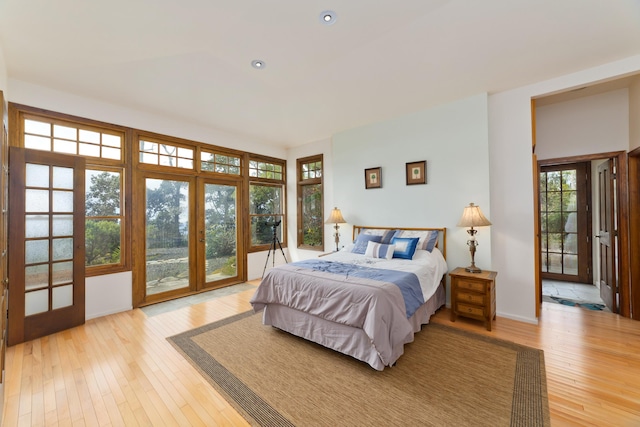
(132, 168)
(268, 182)
(18, 113)
(301, 184)
(106, 268)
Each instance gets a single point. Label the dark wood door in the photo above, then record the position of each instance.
(46, 241)
(607, 234)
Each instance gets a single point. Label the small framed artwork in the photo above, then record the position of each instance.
(417, 172)
(373, 178)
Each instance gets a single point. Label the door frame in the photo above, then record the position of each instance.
(623, 219)
(634, 230)
(202, 284)
(197, 281)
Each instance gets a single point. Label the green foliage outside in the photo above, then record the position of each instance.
(164, 206)
(102, 242)
(558, 207)
(312, 215)
(220, 221)
(265, 207)
(102, 235)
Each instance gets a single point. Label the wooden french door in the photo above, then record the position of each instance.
(46, 240)
(607, 234)
(192, 235)
(219, 233)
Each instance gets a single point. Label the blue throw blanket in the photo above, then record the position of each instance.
(408, 283)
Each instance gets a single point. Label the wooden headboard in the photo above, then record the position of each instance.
(442, 234)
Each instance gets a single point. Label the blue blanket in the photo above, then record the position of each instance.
(408, 283)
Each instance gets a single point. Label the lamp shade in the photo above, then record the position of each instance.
(473, 217)
(335, 217)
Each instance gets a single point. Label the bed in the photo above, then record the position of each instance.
(367, 300)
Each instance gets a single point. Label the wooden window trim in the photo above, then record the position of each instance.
(299, 188)
(17, 115)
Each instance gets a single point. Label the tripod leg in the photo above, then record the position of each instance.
(283, 255)
(266, 262)
(272, 248)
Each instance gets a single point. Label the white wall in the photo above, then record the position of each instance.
(453, 139)
(510, 136)
(108, 294)
(63, 102)
(634, 114)
(588, 125)
(3, 73)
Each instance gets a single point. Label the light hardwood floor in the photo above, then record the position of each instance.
(120, 370)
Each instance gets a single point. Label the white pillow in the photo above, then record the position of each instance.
(379, 250)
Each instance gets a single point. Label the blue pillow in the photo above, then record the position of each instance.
(405, 247)
(362, 241)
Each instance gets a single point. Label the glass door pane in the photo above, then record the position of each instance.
(167, 235)
(220, 232)
(565, 222)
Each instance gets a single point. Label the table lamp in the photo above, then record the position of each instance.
(336, 218)
(473, 217)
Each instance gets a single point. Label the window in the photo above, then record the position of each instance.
(266, 202)
(71, 138)
(103, 147)
(310, 203)
(119, 158)
(218, 162)
(104, 217)
(269, 170)
(163, 154)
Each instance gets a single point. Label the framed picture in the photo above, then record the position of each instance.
(373, 178)
(417, 172)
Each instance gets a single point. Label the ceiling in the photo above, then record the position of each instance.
(191, 59)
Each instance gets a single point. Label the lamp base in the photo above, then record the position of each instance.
(473, 269)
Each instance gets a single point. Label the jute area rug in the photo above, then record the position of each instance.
(446, 377)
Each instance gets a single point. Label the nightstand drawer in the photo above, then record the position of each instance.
(471, 298)
(470, 310)
(472, 285)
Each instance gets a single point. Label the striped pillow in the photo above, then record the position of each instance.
(379, 250)
(427, 238)
(386, 235)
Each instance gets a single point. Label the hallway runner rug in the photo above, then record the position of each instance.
(445, 377)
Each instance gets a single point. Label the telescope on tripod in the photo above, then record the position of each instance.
(274, 241)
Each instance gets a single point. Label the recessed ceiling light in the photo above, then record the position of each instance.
(328, 17)
(258, 64)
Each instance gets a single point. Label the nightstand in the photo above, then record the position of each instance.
(473, 295)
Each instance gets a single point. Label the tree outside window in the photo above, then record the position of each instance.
(310, 203)
(103, 225)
